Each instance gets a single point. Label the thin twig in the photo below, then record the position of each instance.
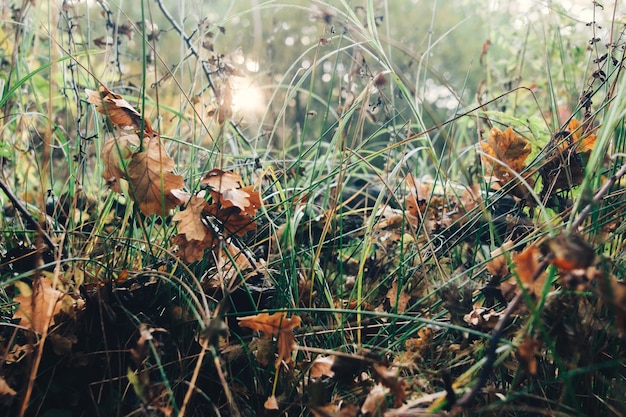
(30, 220)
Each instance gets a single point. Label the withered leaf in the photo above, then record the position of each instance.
(114, 151)
(584, 140)
(526, 354)
(5, 389)
(527, 267)
(275, 325)
(190, 219)
(39, 305)
(120, 112)
(509, 151)
(150, 174)
(499, 265)
(221, 181)
(271, 403)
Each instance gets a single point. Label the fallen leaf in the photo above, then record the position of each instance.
(509, 151)
(374, 404)
(499, 263)
(5, 389)
(39, 305)
(527, 267)
(400, 301)
(230, 220)
(568, 252)
(526, 354)
(583, 139)
(220, 181)
(118, 110)
(322, 366)
(190, 219)
(150, 174)
(271, 403)
(417, 199)
(113, 153)
(275, 325)
(391, 379)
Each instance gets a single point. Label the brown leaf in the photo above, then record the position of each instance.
(190, 220)
(271, 403)
(114, 151)
(39, 305)
(510, 152)
(417, 199)
(584, 140)
(568, 252)
(220, 181)
(527, 267)
(374, 404)
(322, 366)
(526, 354)
(275, 325)
(233, 221)
(400, 300)
(390, 378)
(5, 389)
(152, 180)
(499, 265)
(119, 111)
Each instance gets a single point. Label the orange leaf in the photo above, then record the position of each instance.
(585, 140)
(150, 173)
(527, 267)
(271, 403)
(509, 149)
(120, 112)
(275, 325)
(568, 252)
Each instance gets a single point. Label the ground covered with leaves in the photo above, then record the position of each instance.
(356, 246)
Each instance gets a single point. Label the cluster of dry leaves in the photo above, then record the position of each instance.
(137, 157)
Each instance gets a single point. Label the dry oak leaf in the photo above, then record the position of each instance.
(226, 188)
(40, 304)
(499, 265)
(527, 266)
(275, 325)
(220, 181)
(119, 111)
(150, 174)
(585, 140)
(375, 404)
(231, 219)
(114, 152)
(509, 149)
(190, 219)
